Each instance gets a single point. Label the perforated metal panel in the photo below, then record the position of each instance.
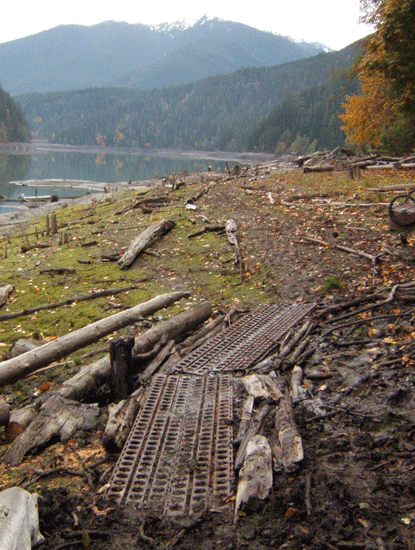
(244, 343)
(178, 458)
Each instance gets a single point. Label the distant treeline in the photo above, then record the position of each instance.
(264, 108)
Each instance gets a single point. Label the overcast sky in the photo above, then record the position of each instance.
(330, 22)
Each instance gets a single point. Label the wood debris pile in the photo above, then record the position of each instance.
(342, 160)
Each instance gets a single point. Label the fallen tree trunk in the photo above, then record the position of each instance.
(57, 417)
(23, 345)
(18, 367)
(143, 240)
(399, 187)
(19, 420)
(255, 426)
(173, 328)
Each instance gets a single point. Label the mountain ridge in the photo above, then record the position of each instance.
(218, 112)
(111, 53)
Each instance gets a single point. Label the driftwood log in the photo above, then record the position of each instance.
(57, 417)
(143, 240)
(295, 383)
(19, 420)
(262, 388)
(173, 328)
(155, 364)
(255, 426)
(120, 420)
(255, 477)
(288, 434)
(18, 367)
(321, 168)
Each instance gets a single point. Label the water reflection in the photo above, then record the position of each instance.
(95, 167)
(12, 167)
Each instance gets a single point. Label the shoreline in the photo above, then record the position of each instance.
(10, 220)
(39, 146)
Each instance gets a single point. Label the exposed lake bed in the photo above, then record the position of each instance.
(357, 476)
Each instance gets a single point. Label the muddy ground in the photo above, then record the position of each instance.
(355, 488)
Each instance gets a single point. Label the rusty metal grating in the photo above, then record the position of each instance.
(245, 342)
(178, 458)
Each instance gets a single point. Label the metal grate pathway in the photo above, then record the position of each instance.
(179, 453)
(178, 458)
(246, 342)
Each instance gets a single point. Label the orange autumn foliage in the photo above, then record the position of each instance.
(368, 114)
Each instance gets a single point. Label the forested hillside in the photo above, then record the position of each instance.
(305, 121)
(215, 113)
(13, 125)
(72, 57)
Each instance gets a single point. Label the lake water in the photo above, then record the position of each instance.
(91, 166)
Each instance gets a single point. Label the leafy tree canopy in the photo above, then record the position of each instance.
(384, 112)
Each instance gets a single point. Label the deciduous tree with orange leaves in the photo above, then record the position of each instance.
(383, 115)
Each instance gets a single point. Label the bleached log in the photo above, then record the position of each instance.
(58, 417)
(255, 478)
(288, 435)
(262, 385)
(87, 380)
(120, 420)
(398, 187)
(18, 367)
(5, 292)
(19, 520)
(295, 383)
(245, 418)
(255, 426)
(173, 328)
(143, 240)
(258, 386)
